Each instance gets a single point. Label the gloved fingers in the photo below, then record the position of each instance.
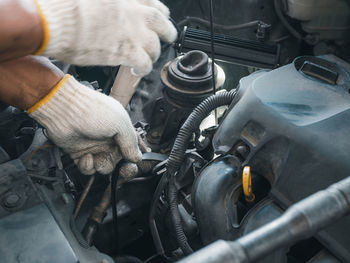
(142, 145)
(128, 170)
(160, 24)
(128, 146)
(140, 62)
(158, 5)
(90, 147)
(105, 163)
(86, 164)
(152, 46)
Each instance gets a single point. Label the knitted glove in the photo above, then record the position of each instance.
(92, 128)
(105, 32)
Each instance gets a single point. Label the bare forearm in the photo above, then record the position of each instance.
(25, 81)
(20, 29)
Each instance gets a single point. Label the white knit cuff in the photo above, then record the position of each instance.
(61, 17)
(66, 103)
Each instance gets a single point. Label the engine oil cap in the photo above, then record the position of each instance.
(247, 184)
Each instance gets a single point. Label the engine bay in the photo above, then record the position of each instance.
(240, 127)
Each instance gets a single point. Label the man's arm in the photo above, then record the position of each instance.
(25, 81)
(21, 31)
(94, 129)
(89, 32)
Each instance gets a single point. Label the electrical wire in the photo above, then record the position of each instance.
(114, 180)
(84, 195)
(212, 46)
(151, 258)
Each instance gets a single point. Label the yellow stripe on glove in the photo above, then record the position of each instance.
(49, 96)
(46, 30)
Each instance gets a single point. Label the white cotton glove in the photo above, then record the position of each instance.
(94, 129)
(105, 32)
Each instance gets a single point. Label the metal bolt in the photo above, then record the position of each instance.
(12, 200)
(243, 150)
(35, 162)
(65, 198)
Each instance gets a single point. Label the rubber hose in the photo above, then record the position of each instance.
(290, 28)
(177, 156)
(154, 231)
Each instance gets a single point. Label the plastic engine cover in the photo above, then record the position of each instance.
(295, 123)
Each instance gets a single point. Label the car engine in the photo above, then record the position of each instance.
(243, 125)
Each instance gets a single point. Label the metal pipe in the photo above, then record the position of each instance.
(124, 86)
(83, 195)
(97, 216)
(99, 211)
(302, 220)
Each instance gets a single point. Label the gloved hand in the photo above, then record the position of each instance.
(93, 128)
(105, 32)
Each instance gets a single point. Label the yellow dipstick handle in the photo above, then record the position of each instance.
(247, 185)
